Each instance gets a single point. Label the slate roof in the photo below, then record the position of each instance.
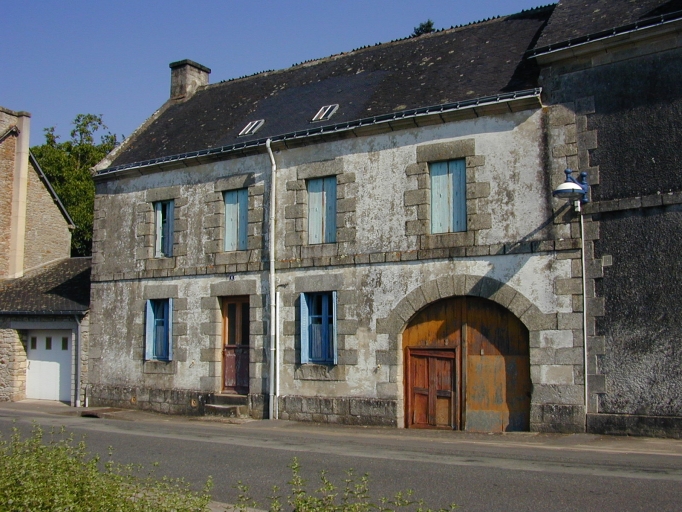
(573, 19)
(62, 287)
(461, 63)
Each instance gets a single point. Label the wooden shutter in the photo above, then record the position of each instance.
(170, 217)
(304, 320)
(458, 183)
(441, 198)
(231, 220)
(243, 201)
(333, 341)
(169, 329)
(315, 211)
(149, 332)
(329, 227)
(158, 229)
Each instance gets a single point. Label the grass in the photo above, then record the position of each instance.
(55, 473)
(352, 496)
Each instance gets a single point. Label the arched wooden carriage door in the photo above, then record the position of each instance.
(467, 367)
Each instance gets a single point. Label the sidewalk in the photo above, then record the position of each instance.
(548, 441)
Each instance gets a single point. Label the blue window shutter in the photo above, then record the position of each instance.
(231, 220)
(169, 329)
(315, 211)
(304, 320)
(243, 200)
(158, 229)
(459, 193)
(170, 213)
(149, 332)
(330, 209)
(334, 342)
(441, 205)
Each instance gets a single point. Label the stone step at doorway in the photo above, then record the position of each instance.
(227, 405)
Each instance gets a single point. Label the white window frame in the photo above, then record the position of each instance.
(448, 196)
(325, 113)
(164, 211)
(327, 352)
(159, 330)
(251, 127)
(322, 210)
(236, 219)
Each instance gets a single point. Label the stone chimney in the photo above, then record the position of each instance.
(14, 144)
(186, 77)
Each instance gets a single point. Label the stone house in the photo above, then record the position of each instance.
(44, 294)
(372, 237)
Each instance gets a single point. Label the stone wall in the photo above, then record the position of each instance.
(12, 364)
(626, 109)
(48, 237)
(384, 263)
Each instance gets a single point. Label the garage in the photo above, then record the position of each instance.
(48, 365)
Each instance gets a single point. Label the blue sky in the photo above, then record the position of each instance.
(61, 58)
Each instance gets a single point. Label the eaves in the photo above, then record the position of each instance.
(647, 29)
(438, 114)
(67, 312)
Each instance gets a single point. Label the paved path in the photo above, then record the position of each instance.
(520, 471)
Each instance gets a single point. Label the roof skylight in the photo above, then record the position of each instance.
(251, 128)
(325, 112)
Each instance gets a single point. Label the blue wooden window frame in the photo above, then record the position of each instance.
(448, 196)
(159, 330)
(318, 328)
(236, 218)
(163, 221)
(322, 210)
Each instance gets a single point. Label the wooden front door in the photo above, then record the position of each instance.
(467, 367)
(235, 345)
(434, 386)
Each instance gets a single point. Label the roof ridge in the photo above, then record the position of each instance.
(403, 40)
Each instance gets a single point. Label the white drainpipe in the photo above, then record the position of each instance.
(582, 241)
(274, 330)
(77, 361)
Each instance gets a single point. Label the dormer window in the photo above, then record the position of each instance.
(325, 112)
(251, 128)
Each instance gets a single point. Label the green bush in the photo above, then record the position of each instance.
(58, 474)
(355, 496)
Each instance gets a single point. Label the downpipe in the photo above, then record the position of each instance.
(274, 323)
(77, 363)
(584, 278)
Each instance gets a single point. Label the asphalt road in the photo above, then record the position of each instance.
(518, 472)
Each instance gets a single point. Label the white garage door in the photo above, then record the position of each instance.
(48, 373)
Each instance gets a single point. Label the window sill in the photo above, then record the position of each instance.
(316, 371)
(155, 366)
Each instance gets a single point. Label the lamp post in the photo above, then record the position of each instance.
(576, 191)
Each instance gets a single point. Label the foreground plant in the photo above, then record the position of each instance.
(355, 496)
(57, 474)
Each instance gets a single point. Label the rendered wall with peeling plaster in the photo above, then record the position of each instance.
(384, 253)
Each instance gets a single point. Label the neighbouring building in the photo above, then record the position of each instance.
(44, 294)
(395, 203)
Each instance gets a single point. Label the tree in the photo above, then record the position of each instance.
(67, 165)
(423, 28)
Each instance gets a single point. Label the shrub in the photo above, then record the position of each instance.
(59, 475)
(355, 496)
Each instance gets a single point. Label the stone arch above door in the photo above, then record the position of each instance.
(463, 285)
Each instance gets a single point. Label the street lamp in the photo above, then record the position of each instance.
(576, 192)
(573, 190)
